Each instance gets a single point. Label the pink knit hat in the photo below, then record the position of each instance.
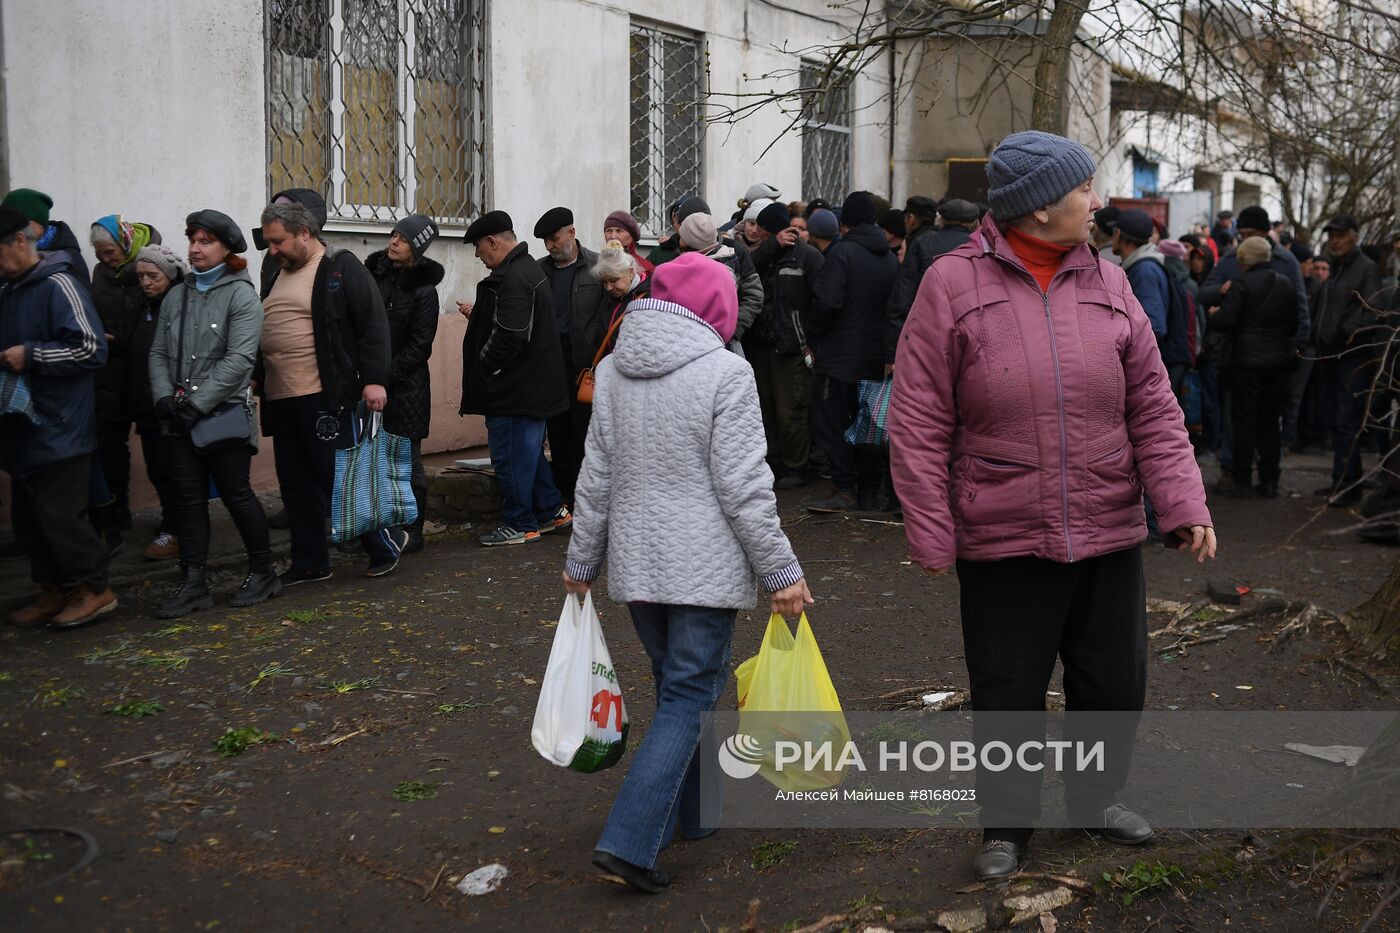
(703, 286)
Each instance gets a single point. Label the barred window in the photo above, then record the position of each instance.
(826, 136)
(379, 104)
(667, 134)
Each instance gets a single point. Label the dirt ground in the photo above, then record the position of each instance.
(431, 675)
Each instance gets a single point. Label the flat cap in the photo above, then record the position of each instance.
(958, 211)
(921, 205)
(220, 226)
(1341, 222)
(491, 223)
(552, 221)
(1135, 223)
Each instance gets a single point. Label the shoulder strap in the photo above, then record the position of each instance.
(180, 347)
(607, 340)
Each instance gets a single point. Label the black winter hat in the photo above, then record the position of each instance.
(858, 208)
(958, 211)
(892, 221)
(1300, 251)
(552, 221)
(11, 222)
(1135, 224)
(220, 226)
(307, 198)
(774, 218)
(1105, 218)
(1253, 217)
(420, 232)
(488, 224)
(692, 205)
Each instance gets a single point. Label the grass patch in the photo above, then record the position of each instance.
(237, 741)
(1207, 614)
(451, 709)
(415, 790)
(771, 854)
(137, 709)
(6, 677)
(351, 686)
(58, 696)
(166, 662)
(179, 628)
(103, 655)
(275, 669)
(1144, 877)
(305, 616)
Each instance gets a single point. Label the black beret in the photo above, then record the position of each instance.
(692, 205)
(1135, 223)
(958, 211)
(552, 221)
(489, 224)
(220, 226)
(774, 218)
(11, 222)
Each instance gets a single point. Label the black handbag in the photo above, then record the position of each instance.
(229, 420)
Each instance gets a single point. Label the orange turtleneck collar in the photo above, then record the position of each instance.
(1041, 257)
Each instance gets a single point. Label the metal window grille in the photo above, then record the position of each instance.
(379, 104)
(826, 136)
(667, 133)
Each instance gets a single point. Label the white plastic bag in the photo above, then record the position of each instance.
(580, 720)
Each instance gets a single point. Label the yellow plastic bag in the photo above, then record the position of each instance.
(786, 694)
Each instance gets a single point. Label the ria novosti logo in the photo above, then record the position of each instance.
(740, 756)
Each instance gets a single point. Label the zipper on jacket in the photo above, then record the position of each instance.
(1064, 441)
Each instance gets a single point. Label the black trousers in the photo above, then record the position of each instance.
(49, 512)
(227, 465)
(853, 468)
(158, 472)
(306, 474)
(1018, 616)
(114, 455)
(567, 433)
(1257, 401)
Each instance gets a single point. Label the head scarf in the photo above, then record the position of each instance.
(130, 238)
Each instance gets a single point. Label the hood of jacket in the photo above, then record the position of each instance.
(49, 264)
(1146, 251)
(423, 272)
(869, 236)
(659, 337)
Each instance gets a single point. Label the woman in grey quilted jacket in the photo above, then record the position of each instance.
(676, 492)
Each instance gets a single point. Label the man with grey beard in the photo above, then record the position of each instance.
(580, 318)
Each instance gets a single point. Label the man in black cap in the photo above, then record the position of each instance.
(580, 320)
(1147, 275)
(776, 345)
(927, 241)
(511, 375)
(1345, 364)
(408, 282)
(50, 235)
(1105, 219)
(51, 338)
(847, 333)
(1223, 232)
(325, 348)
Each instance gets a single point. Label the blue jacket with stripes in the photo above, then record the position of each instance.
(49, 312)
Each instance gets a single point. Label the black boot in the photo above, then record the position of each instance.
(415, 538)
(260, 585)
(191, 595)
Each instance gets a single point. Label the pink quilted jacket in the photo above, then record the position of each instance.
(1029, 423)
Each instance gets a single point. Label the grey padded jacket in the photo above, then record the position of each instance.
(675, 489)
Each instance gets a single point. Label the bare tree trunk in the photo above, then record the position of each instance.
(1375, 624)
(1048, 111)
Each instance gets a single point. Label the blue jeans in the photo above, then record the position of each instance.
(528, 495)
(689, 651)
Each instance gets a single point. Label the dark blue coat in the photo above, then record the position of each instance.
(50, 312)
(848, 322)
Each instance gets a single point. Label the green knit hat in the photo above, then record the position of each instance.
(32, 204)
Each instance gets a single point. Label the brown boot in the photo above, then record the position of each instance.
(45, 606)
(83, 607)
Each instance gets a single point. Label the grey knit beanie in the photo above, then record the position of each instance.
(420, 232)
(164, 259)
(1030, 170)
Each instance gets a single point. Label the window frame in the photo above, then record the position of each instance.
(815, 125)
(656, 225)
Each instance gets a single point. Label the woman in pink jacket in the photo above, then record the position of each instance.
(1030, 412)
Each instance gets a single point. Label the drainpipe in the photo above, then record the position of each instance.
(893, 99)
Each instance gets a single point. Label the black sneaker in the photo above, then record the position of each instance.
(257, 587)
(506, 535)
(649, 880)
(838, 501)
(415, 541)
(292, 576)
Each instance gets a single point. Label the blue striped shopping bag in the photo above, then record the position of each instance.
(872, 406)
(372, 488)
